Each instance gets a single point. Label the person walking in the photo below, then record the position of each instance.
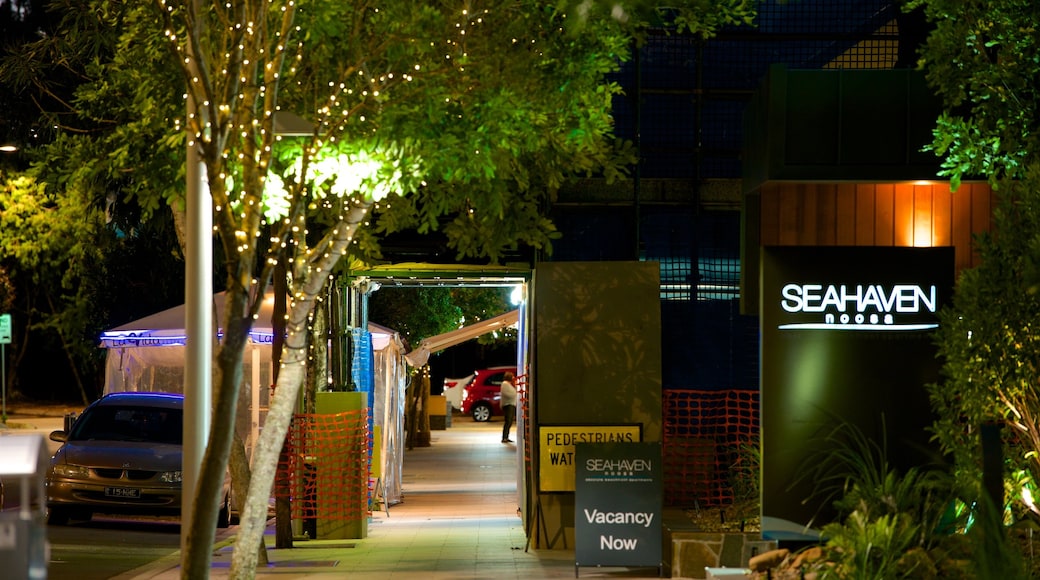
(508, 401)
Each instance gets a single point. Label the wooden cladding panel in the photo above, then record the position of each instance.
(845, 212)
(942, 216)
(827, 196)
(876, 214)
(885, 215)
(866, 209)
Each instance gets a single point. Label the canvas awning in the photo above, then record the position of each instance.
(421, 354)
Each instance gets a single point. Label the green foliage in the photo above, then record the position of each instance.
(894, 525)
(108, 95)
(418, 313)
(49, 244)
(7, 294)
(989, 345)
(853, 471)
(881, 547)
(889, 524)
(745, 473)
(983, 58)
(699, 17)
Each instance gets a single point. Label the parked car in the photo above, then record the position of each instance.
(481, 396)
(122, 455)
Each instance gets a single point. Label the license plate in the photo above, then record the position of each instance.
(131, 492)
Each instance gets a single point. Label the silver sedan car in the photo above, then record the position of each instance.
(121, 456)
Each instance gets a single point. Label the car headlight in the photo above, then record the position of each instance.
(72, 471)
(170, 477)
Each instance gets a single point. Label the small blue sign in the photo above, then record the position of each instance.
(5, 329)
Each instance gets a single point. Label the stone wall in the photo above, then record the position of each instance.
(689, 553)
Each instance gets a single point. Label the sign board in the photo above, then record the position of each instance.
(5, 329)
(847, 336)
(617, 504)
(556, 449)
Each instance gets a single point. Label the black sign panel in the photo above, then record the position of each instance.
(847, 336)
(617, 504)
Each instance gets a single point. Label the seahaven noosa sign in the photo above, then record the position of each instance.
(859, 306)
(847, 335)
(617, 504)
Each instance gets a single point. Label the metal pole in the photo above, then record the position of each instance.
(198, 328)
(3, 372)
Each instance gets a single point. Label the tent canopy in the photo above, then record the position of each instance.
(166, 328)
(420, 355)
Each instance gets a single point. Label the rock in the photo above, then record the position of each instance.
(767, 560)
(807, 556)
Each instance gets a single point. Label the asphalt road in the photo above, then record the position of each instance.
(105, 548)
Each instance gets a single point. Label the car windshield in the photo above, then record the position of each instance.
(129, 423)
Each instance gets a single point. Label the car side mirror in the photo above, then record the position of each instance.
(59, 436)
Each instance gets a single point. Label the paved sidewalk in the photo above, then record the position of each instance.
(458, 519)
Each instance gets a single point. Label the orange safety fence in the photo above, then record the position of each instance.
(710, 446)
(328, 466)
(522, 402)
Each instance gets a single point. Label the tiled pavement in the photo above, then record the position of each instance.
(457, 520)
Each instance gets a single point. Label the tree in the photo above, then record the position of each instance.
(50, 243)
(427, 117)
(82, 160)
(461, 112)
(983, 58)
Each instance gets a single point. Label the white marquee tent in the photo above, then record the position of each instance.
(148, 355)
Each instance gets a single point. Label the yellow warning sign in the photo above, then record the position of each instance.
(556, 449)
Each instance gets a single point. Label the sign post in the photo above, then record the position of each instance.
(5, 339)
(617, 505)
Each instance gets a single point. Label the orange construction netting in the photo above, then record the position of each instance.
(710, 446)
(327, 462)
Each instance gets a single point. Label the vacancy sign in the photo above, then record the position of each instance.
(617, 504)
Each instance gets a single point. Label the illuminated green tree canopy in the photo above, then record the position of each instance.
(983, 58)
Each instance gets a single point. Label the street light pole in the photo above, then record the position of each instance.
(198, 301)
(198, 327)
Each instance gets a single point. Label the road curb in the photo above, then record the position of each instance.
(172, 561)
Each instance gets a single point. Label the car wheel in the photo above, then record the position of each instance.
(481, 412)
(224, 515)
(57, 516)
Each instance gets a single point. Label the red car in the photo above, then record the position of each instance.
(480, 397)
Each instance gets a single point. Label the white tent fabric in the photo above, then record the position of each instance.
(148, 355)
(167, 327)
(428, 346)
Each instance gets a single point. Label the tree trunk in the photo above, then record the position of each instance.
(423, 423)
(268, 448)
(19, 351)
(240, 476)
(283, 403)
(283, 535)
(68, 355)
(210, 484)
